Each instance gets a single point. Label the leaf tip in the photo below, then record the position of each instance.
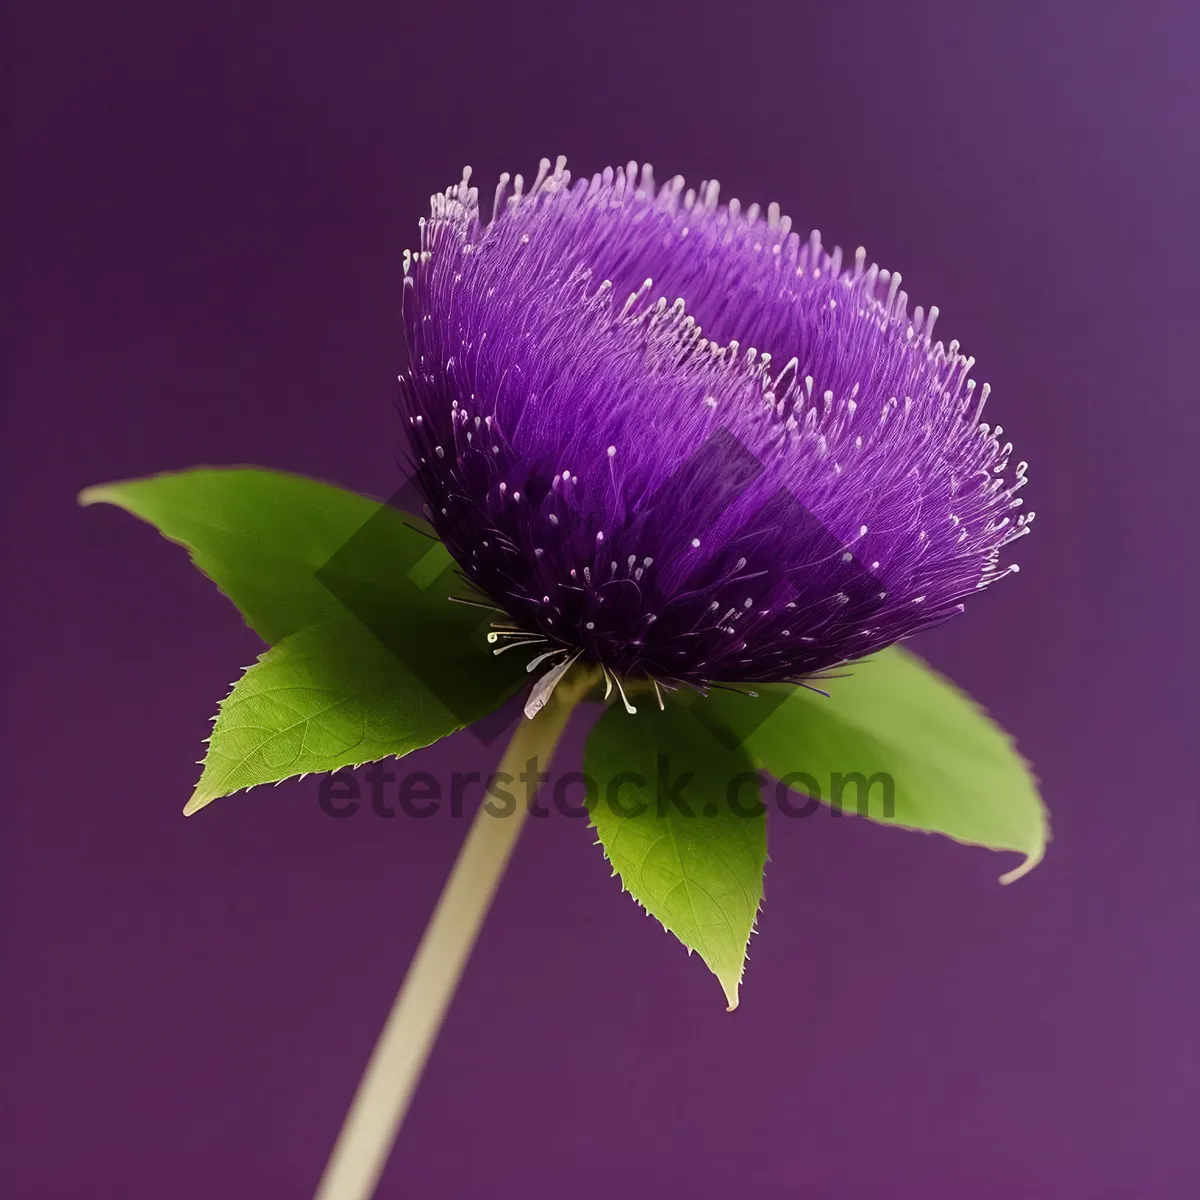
(196, 803)
(91, 495)
(1032, 859)
(1034, 855)
(731, 994)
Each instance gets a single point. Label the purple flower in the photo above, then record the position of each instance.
(668, 436)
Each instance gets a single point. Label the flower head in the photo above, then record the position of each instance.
(668, 436)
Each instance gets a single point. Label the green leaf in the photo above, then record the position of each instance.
(679, 818)
(328, 697)
(953, 770)
(292, 554)
(263, 537)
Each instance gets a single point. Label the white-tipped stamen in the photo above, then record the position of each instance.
(541, 658)
(544, 688)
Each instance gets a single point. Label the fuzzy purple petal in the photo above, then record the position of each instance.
(672, 435)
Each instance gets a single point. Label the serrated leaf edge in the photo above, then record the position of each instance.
(1032, 857)
(732, 997)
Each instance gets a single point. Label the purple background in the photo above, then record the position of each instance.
(211, 206)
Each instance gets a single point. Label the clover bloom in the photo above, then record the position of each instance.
(671, 437)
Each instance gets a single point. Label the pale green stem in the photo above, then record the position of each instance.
(394, 1070)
